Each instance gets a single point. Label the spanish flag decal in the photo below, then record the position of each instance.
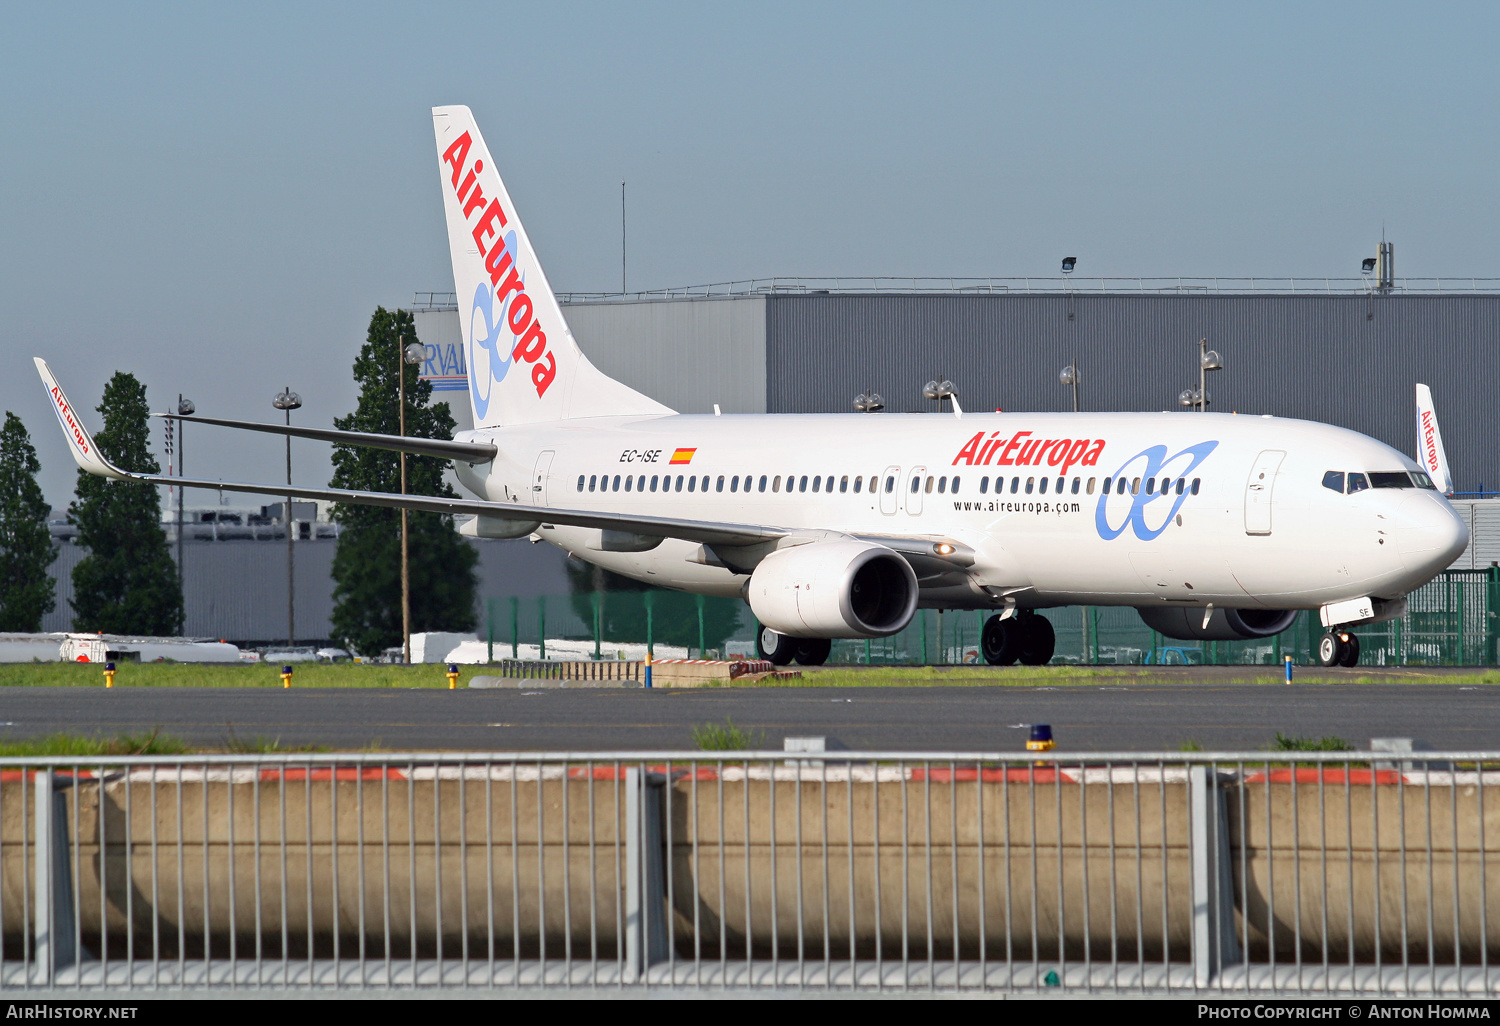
(682, 456)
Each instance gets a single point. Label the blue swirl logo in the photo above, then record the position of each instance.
(491, 334)
(1148, 513)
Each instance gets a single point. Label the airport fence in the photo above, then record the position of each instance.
(1210, 874)
(1452, 621)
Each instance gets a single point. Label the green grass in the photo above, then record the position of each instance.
(233, 675)
(1327, 743)
(154, 743)
(726, 737)
(348, 675)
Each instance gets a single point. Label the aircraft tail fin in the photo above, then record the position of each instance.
(524, 366)
(1430, 453)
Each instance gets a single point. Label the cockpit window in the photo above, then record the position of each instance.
(1334, 479)
(1423, 481)
(1357, 483)
(1395, 479)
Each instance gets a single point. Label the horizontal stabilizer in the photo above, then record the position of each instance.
(467, 452)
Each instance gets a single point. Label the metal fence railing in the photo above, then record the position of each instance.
(1453, 620)
(1193, 873)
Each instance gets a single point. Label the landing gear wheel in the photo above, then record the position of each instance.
(813, 651)
(1039, 640)
(778, 648)
(1349, 652)
(1337, 646)
(1000, 641)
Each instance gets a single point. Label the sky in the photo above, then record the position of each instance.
(215, 197)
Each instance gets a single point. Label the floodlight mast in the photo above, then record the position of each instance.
(287, 401)
(407, 355)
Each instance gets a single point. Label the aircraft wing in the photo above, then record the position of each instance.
(442, 448)
(927, 554)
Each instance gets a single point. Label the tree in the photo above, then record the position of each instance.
(367, 562)
(127, 584)
(26, 592)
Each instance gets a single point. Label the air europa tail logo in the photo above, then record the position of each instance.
(1429, 441)
(1022, 450)
(504, 301)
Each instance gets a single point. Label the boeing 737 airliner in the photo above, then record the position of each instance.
(1213, 526)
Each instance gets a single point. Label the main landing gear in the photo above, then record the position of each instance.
(781, 649)
(1338, 647)
(1026, 637)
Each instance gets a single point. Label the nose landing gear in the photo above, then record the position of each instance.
(1338, 647)
(1025, 637)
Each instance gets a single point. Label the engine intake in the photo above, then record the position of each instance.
(1224, 625)
(833, 589)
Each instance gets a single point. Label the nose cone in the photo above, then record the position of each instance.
(1430, 534)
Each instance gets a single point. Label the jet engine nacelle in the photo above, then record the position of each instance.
(1223, 625)
(833, 589)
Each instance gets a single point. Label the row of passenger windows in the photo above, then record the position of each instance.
(1349, 483)
(941, 484)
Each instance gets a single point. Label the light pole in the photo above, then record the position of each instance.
(288, 401)
(185, 408)
(1069, 376)
(1208, 360)
(408, 355)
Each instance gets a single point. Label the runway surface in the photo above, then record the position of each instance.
(1136, 716)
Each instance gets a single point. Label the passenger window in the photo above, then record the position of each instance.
(1179, 485)
(942, 485)
(1015, 485)
(984, 485)
(593, 480)
(1077, 482)
(816, 482)
(653, 482)
(679, 482)
(843, 483)
(1042, 490)
(955, 485)
(890, 484)
(802, 485)
(1106, 486)
(930, 482)
(762, 482)
(1196, 481)
(1334, 480)
(734, 483)
(628, 482)
(691, 482)
(1135, 487)
(1030, 483)
(916, 485)
(580, 482)
(775, 483)
(617, 483)
(1150, 486)
(1090, 488)
(857, 482)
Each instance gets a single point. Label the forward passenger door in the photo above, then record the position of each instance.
(1258, 489)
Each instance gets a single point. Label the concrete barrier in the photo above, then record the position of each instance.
(523, 863)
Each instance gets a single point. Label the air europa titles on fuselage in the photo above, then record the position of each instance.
(505, 277)
(1023, 450)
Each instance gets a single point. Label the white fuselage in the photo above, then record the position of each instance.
(1246, 519)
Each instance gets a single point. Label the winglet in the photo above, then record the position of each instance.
(1430, 453)
(80, 443)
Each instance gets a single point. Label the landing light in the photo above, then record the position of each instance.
(944, 549)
